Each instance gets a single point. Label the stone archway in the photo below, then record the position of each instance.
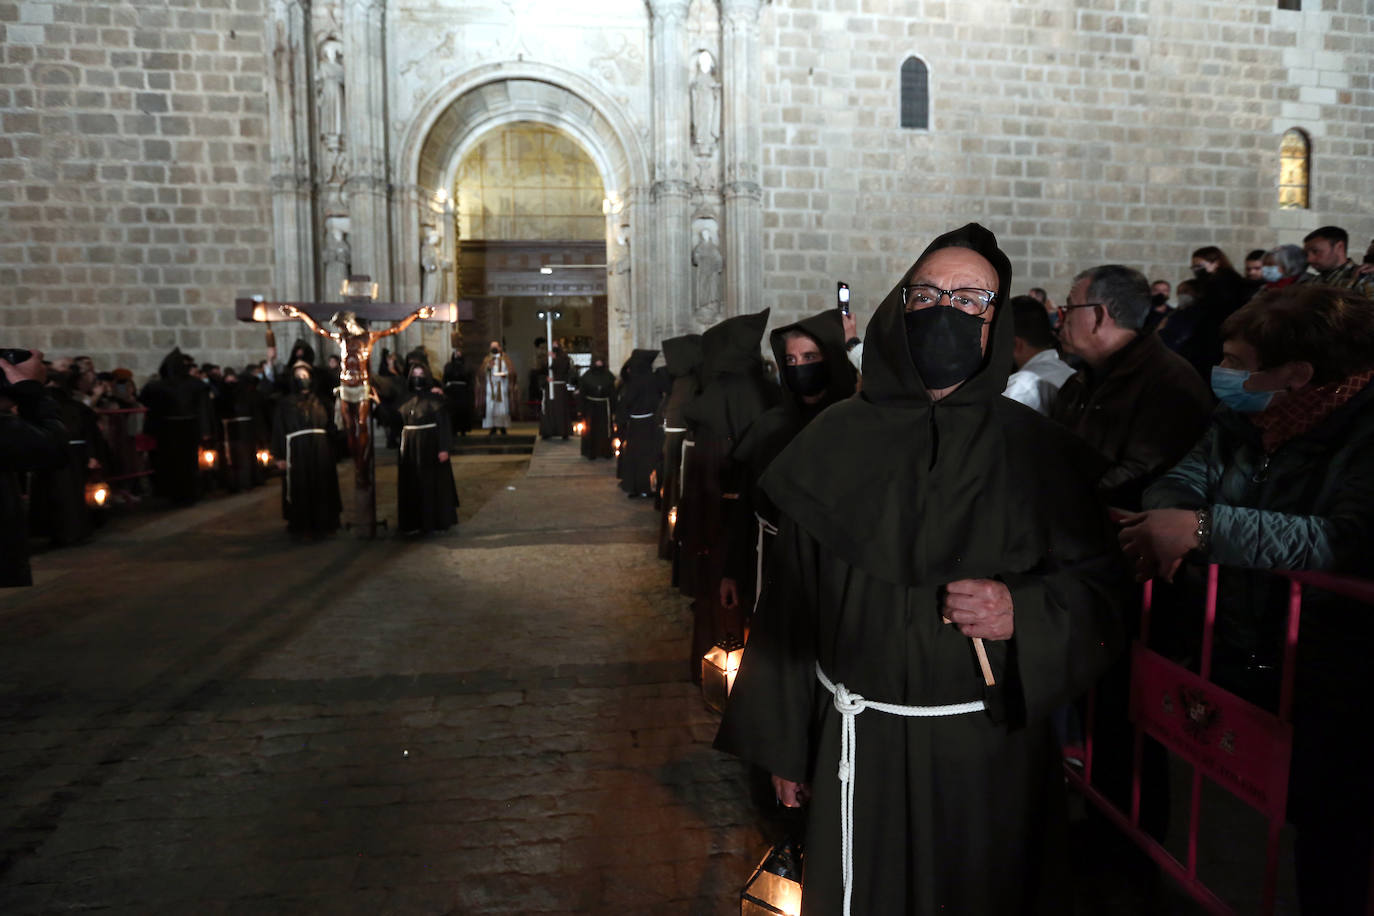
(457, 114)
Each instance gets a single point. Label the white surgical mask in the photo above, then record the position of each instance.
(1271, 273)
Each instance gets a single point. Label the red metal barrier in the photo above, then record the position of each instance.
(129, 445)
(1240, 746)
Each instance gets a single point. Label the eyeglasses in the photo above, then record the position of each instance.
(972, 301)
(1064, 310)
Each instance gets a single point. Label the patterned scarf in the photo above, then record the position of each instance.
(1299, 411)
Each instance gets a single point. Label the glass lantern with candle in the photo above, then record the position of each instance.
(775, 888)
(719, 666)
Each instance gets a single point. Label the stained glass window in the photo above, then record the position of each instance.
(1295, 159)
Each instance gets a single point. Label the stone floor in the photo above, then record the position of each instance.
(198, 715)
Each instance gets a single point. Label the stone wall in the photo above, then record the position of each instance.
(133, 178)
(1081, 131)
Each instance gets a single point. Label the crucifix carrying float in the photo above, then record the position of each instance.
(348, 327)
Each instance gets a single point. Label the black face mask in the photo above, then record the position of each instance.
(417, 383)
(807, 379)
(495, 351)
(946, 344)
(302, 383)
(1158, 300)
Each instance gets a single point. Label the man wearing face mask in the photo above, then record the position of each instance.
(302, 431)
(1139, 405)
(426, 497)
(815, 374)
(944, 576)
(1284, 479)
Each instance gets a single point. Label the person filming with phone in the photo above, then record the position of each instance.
(32, 438)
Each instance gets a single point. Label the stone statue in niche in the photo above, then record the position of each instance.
(705, 91)
(431, 264)
(338, 256)
(330, 90)
(618, 277)
(707, 265)
(281, 58)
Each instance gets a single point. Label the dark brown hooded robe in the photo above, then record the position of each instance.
(884, 499)
(682, 360)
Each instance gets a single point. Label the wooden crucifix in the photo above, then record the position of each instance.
(348, 327)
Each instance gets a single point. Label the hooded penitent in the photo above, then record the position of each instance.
(302, 432)
(180, 417)
(637, 415)
(596, 401)
(427, 499)
(884, 499)
(682, 362)
(833, 379)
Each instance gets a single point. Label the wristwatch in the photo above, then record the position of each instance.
(851, 343)
(1204, 530)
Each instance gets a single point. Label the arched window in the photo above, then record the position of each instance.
(1295, 161)
(915, 94)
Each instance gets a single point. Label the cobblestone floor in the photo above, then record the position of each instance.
(212, 719)
(199, 716)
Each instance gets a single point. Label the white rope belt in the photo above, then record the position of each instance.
(640, 416)
(674, 429)
(849, 706)
(76, 441)
(682, 468)
(411, 429)
(765, 528)
(457, 382)
(289, 437)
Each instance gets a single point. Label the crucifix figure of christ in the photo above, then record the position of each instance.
(348, 328)
(355, 342)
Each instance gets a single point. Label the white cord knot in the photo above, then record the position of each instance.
(849, 704)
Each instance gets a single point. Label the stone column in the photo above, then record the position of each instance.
(365, 102)
(671, 297)
(742, 244)
(288, 106)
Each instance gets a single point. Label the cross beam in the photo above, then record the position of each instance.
(260, 310)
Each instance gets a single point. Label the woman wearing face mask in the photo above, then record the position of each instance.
(1284, 479)
(1283, 266)
(1220, 290)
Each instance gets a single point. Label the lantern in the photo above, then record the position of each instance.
(718, 669)
(97, 494)
(775, 887)
(672, 520)
(264, 458)
(207, 459)
(615, 444)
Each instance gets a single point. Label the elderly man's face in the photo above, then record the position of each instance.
(959, 268)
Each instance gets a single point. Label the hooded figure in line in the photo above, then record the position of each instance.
(922, 525)
(815, 372)
(735, 391)
(427, 498)
(637, 405)
(682, 363)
